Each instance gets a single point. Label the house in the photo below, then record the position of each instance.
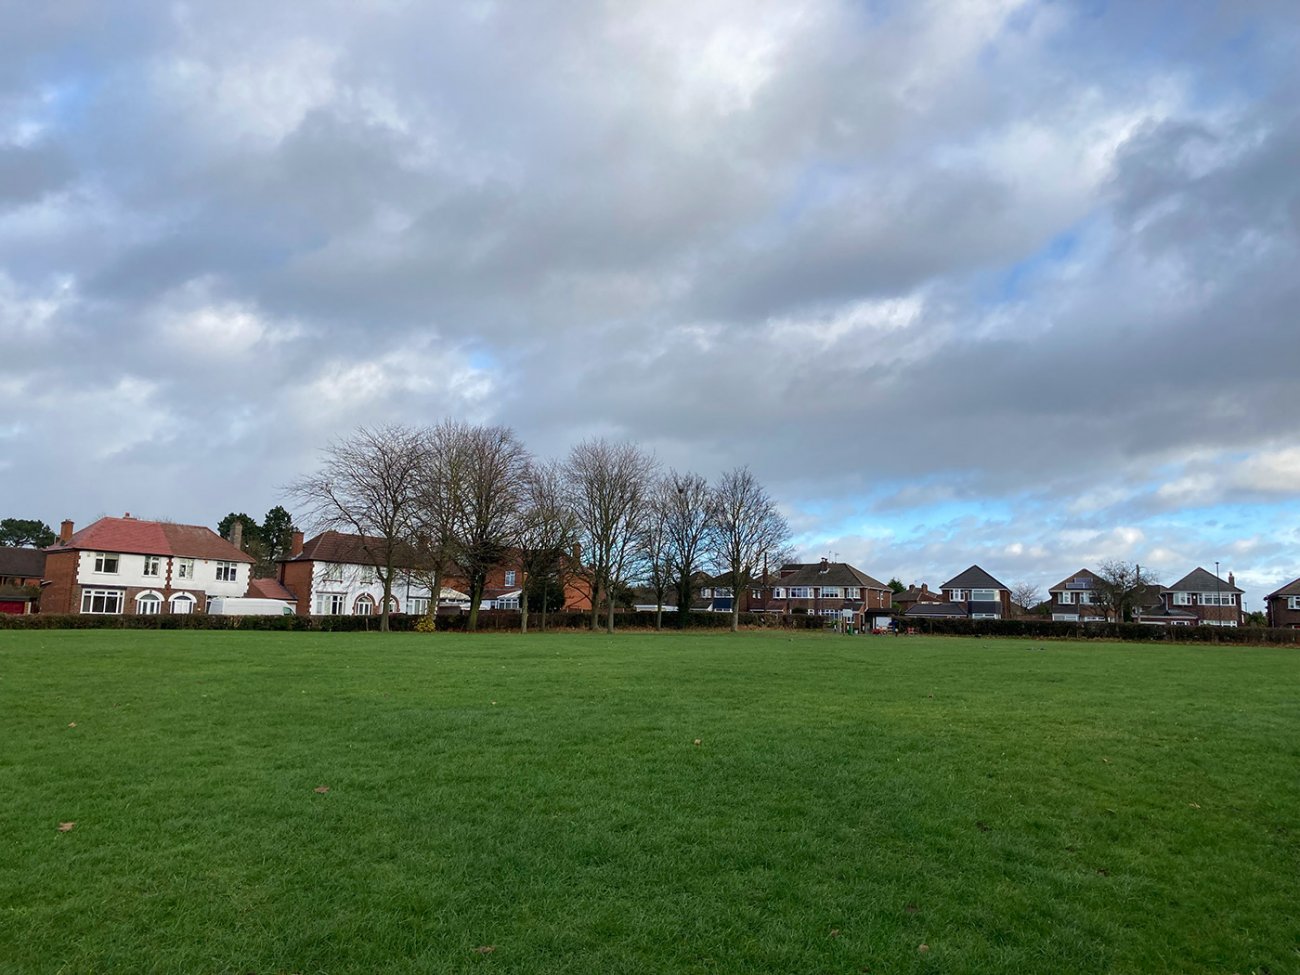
(1284, 606)
(335, 574)
(909, 597)
(979, 594)
(836, 589)
(21, 570)
(1077, 599)
(130, 566)
(1199, 598)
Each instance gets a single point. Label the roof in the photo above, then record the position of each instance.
(25, 563)
(139, 537)
(1292, 588)
(1083, 575)
(973, 578)
(915, 594)
(1198, 580)
(831, 574)
(19, 594)
(332, 546)
(937, 610)
(269, 589)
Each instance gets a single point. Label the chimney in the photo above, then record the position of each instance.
(237, 534)
(295, 545)
(1231, 580)
(65, 531)
(825, 567)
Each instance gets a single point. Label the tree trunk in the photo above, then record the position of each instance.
(735, 612)
(595, 607)
(659, 614)
(610, 616)
(475, 597)
(523, 609)
(388, 596)
(435, 597)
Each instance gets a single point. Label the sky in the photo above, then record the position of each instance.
(1002, 282)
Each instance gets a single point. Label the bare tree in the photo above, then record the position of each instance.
(444, 461)
(493, 488)
(546, 533)
(1025, 595)
(687, 521)
(654, 544)
(368, 485)
(1123, 586)
(746, 530)
(607, 485)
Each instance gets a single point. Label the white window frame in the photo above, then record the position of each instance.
(1182, 599)
(1085, 598)
(508, 602)
(330, 604)
(1065, 598)
(958, 595)
(182, 604)
(227, 571)
(1293, 602)
(364, 605)
(510, 577)
(184, 568)
(152, 566)
(986, 616)
(831, 592)
(801, 592)
(367, 575)
(149, 604)
(115, 596)
(417, 605)
(1218, 599)
(853, 592)
(984, 596)
(105, 559)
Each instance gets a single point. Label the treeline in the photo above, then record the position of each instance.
(459, 500)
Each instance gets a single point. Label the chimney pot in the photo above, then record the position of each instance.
(1231, 580)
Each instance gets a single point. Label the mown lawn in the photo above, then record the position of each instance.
(1014, 807)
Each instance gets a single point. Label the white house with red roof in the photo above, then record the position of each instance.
(135, 567)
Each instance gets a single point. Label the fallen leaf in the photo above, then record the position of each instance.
(697, 741)
(1103, 872)
(72, 724)
(923, 949)
(65, 827)
(322, 789)
(1106, 760)
(911, 908)
(486, 949)
(835, 932)
(1195, 805)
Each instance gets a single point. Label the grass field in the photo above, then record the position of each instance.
(1014, 807)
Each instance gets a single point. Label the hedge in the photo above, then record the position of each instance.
(1135, 632)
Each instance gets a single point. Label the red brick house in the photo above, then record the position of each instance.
(909, 597)
(128, 566)
(978, 594)
(1199, 598)
(1284, 606)
(828, 588)
(1077, 599)
(21, 570)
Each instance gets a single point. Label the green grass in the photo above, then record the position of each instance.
(1016, 807)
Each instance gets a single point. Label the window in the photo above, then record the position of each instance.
(778, 592)
(831, 592)
(800, 592)
(1182, 599)
(332, 572)
(1218, 599)
(508, 602)
(102, 601)
(1065, 598)
(957, 595)
(984, 616)
(1293, 602)
(417, 605)
(106, 562)
(364, 606)
(226, 571)
(852, 593)
(329, 604)
(182, 604)
(148, 603)
(184, 568)
(510, 578)
(983, 595)
(152, 566)
(367, 575)
(1085, 597)
(723, 592)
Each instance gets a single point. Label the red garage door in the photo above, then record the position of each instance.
(12, 606)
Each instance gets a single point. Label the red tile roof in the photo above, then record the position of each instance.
(332, 546)
(138, 537)
(268, 589)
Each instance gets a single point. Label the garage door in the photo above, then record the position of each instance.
(12, 606)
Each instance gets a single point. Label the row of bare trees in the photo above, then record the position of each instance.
(458, 499)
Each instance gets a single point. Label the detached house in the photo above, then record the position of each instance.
(1199, 598)
(135, 567)
(1284, 606)
(909, 597)
(978, 594)
(1076, 599)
